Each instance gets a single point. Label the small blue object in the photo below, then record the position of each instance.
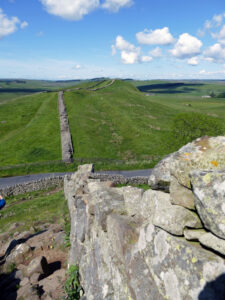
(2, 203)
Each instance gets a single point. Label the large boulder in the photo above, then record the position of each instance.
(209, 192)
(204, 153)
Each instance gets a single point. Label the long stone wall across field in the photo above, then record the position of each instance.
(66, 140)
(32, 186)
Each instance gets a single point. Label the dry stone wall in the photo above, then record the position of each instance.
(66, 140)
(136, 244)
(37, 185)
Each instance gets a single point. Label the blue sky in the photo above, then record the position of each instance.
(141, 39)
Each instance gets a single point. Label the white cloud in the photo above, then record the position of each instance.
(115, 5)
(122, 44)
(218, 19)
(155, 37)
(129, 53)
(193, 61)
(157, 52)
(77, 66)
(215, 53)
(146, 58)
(77, 9)
(129, 57)
(221, 35)
(187, 46)
(70, 9)
(23, 25)
(7, 25)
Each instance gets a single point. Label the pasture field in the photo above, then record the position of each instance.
(122, 123)
(124, 126)
(29, 130)
(16, 88)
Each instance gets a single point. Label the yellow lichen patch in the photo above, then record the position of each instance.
(178, 247)
(214, 163)
(194, 260)
(207, 178)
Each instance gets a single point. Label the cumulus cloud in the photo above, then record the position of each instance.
(155, 37)
(215, 53)
(7, 25)
(23, 25)
(193, 61)
(75, 10)
(187, 46)
(129, 53)
(129, 57)
(70, 9)
(115, 5)
(122, 44)
(157, 52)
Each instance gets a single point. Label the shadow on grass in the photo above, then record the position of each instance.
(169, 88)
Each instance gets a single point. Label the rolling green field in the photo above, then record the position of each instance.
(122, 123)
(12, 89)
(29, 130)
(124, 126)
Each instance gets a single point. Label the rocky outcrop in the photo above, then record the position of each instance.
(32, 264)
(206, 153)
(136, 244)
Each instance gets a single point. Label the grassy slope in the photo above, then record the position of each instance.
(32, 208)
(29, 130)
(120, 122)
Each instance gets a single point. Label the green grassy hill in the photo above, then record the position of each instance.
(123, 126)
(29, 130)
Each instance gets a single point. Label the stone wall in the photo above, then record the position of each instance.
(135, 244)
(32, 186)
(66, 140)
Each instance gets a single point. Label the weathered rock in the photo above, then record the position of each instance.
(160, 177)
(37, 265)
(181, 195)
(193, 234)
(133, 199)
(204, 153)
(122, 255)
(24, 281)
(53, 284)
(35, 278)
(174, 218)
(60, 238)
(213, 242)
(209, 192)
(27, 292)
(17, 255)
